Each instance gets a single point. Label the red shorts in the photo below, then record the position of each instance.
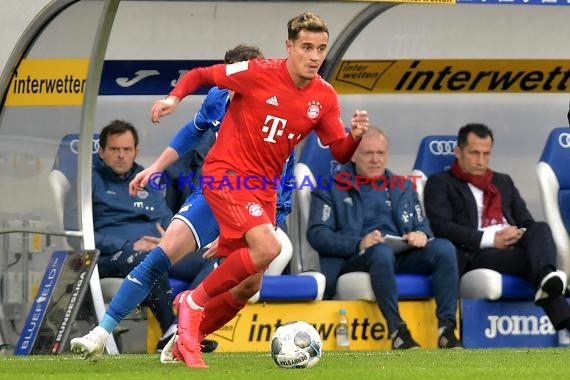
(237, 211)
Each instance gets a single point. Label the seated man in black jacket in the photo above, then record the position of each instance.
(483, 214)
(348, 223)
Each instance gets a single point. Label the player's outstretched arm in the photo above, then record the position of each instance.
(189, 83)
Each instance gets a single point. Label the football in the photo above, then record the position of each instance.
(296, 345)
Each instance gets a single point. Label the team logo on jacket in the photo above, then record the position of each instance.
(142, 194)
(254, 209)
(406, 217)
(326, 213)
(419, 214)
(314, 109)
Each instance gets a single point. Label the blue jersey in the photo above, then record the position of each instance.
(209, 117)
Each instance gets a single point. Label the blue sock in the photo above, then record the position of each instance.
(136, 287)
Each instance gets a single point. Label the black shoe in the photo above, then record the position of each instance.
(208, 345)
(447, 338)
(552, 285)
(402, 339)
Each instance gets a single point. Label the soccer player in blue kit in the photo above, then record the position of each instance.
(195, 227)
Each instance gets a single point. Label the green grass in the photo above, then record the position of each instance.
(504, 364)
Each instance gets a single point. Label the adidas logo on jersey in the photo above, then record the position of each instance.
(273, 101)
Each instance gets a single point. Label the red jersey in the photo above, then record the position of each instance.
(267, 116)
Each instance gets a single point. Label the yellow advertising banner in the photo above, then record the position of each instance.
(452, 76)
(252, 328)
(48, 82)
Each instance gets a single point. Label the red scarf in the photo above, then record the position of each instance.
(492, 202)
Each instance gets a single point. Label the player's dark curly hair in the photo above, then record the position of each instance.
(242, 53)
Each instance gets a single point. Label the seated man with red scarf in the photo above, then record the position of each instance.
(483, 214)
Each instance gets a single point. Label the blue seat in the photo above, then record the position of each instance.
(314, 163)
(275, 288)
(435, 154)
(356, 285)
(554, 185)
(63, 178)
(178, 285)
(492, 285)
(66, 157)
(289, 288)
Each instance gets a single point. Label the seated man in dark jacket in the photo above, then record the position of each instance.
(483, 214)
(127, 228)
(348, 223)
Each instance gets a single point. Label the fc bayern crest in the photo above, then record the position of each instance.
(314, 109)
(254, 209)
(142, 194)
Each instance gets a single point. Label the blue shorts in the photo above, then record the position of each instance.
(197, 215)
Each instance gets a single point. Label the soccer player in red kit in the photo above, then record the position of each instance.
(277, 103)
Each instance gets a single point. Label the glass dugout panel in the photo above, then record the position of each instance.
(43, 103)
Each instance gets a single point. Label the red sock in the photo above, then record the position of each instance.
(234, 269)
(219, 311)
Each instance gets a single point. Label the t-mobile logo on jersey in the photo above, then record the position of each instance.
(275, 127)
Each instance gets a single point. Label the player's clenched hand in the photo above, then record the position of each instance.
(140, 181)
(163, 107)
(359, 124)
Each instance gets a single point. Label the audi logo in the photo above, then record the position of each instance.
(74, 146)
(564, 140)
(442, 147)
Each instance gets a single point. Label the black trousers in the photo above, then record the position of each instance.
(532, 258)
